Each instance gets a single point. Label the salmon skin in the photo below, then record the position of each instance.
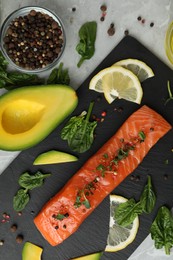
(102, 173)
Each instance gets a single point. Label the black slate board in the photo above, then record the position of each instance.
(92, 234)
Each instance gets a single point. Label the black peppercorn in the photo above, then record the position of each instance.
(28, 36)
(19, 239)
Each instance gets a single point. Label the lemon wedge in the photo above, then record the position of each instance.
(138, 67)
(119, 237)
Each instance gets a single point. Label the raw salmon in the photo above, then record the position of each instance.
(104, 171)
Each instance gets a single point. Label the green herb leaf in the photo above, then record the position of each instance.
(126, 212)
(20, 200)
(162, 230)
(30, 182)
(86, 45)
(59, 76)
(148, 197)
(79, 132)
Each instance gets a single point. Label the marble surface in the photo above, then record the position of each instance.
(123, 13)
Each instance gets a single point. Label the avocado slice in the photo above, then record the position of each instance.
(31, 251)
(30, 114)
(95, 256)
(54, 156)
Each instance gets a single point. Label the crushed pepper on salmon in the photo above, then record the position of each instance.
(103, 172)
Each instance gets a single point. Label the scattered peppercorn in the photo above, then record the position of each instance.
(56, 227)
(126, 32)
(103, 113)
(33, 41)
(103, 8)
(1, 242)
(19, 214)
(13, 228)
(73, 9)
(138, 178)
(143, 21)
(132, 177)
(139, 18)
(19, 239)
(151, 24)
(102, 18)
(111, 30)
(165, 177)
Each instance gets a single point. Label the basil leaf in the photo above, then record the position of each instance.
(30, 182)
(162, 230)
(79, 132)
(126, 212)
(59, 76)
(20, 200)
(86, 45)
(148, 197)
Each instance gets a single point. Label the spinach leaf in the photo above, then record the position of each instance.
(10, 80)
(86, 45)
(148, 197)
(3, 62)
(79, 131)
(59, 76)
(126, 212)
(20, 200)
(30, 182)
(162, 229)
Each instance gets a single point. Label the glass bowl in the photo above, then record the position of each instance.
(169, 42)
(32, 39)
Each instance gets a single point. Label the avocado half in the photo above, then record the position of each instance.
(29, 114)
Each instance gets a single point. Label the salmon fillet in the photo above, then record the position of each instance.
(102, 173)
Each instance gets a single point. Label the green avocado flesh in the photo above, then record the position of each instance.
(54, 157)
(31, 252)
(95, 256)
(29, 114)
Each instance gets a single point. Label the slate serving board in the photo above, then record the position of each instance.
(92, 234)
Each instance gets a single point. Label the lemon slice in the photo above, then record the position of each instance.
(119, 237)
(138, 67)
(118, 82)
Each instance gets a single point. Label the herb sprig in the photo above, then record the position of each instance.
(27, 182)
(169, 93)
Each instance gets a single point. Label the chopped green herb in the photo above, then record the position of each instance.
(105, 155)
(166, 161)
(60, 216)
(142, 136)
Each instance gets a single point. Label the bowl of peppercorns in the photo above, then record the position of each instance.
(32, 39)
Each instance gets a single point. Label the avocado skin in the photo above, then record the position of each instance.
(58, 102)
